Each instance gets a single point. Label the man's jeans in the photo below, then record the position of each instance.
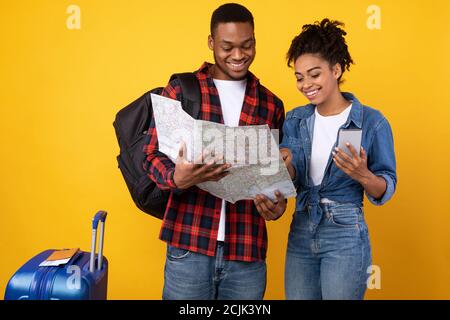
(328, 260)
(193, 276)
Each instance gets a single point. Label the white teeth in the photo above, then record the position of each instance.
(311, 93)
(237, 65)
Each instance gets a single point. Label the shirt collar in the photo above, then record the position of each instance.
(356, 113)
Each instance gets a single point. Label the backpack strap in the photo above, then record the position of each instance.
(190, 87)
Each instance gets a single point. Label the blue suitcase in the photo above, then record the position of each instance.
(84, 277)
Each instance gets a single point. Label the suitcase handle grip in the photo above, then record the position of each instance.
(99, 217)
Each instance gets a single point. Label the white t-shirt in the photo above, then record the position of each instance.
(231, 94)
(324, 138)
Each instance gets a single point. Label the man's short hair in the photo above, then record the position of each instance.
(230, 12)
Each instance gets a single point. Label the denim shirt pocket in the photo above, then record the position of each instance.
(336, 173)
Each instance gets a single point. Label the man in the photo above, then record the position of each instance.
(215, 249)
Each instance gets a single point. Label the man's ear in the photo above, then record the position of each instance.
(210, 42)
(337, 70)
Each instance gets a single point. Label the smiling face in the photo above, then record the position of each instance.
(316, 79)
(233, 44)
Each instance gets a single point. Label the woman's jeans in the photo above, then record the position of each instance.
(189, 275)
(328, 260)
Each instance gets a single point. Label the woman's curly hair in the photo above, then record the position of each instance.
(325, 38)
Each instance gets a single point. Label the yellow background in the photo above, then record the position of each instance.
(60, 90)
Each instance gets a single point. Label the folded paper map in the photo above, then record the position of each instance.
(257, 167)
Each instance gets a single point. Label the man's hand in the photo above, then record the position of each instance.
(188, 174)
(287, 158)
(268, 209)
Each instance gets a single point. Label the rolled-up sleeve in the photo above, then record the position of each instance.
(381, 160)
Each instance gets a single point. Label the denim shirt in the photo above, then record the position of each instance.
(337, 186)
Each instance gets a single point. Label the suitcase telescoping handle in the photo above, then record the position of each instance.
(99, 217)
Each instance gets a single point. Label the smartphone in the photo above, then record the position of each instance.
(352, 136)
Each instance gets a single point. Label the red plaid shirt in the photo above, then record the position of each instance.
(191, 220)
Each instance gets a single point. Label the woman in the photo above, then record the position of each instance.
(329, 252)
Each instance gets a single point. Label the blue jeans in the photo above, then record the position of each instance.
(328, 260)
(193, 276)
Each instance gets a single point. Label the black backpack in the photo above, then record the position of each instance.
(131, 125)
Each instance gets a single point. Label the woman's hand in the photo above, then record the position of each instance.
(268, 209)
(287, 158)
(356, 168)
